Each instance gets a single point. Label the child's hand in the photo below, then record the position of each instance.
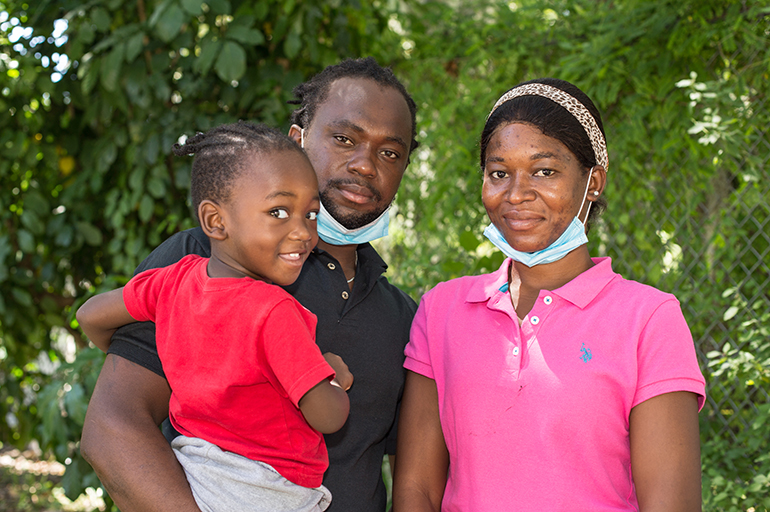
(344, 378)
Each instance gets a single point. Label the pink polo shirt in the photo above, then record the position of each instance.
(535, 417)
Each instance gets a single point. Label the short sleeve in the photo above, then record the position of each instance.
(666, 359)
(417, 351)
(141, 294)
(288, 346)
(136, 342)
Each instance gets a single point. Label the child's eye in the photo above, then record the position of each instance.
(279, 213)
(312, 215)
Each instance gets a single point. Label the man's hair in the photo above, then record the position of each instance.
(221, 154)
(313, 93)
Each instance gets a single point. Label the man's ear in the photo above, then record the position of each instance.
(295, 132)
(211, 219)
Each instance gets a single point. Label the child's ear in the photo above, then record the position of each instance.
(210, 217)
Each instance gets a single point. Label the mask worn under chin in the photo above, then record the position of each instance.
(572, 238)
(334, 233)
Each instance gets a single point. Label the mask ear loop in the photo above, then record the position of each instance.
(585, 194)
(302, 138)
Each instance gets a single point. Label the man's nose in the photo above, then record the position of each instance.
(362, 161)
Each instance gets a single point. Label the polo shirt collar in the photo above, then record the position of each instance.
(580, 291)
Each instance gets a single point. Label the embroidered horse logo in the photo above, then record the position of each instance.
(585, 353)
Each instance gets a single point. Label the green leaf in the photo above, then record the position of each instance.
(111, 67)
(22, 297)
(26, 241)
(134, 46)
(76, 403)
(220, 6)
(469, 241)
(101, 18)
(170, 23)
(192, 6)
(88, 74)
(730, 313)
(292, 45)
(210, 49)
(146, 206)
(231, 64)
(90, 233)
(245, 35)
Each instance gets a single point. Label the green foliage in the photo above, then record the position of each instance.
(88, 186)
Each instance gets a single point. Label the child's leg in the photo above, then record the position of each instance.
(223, 481)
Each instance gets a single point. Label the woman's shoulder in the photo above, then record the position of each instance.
(460, 287)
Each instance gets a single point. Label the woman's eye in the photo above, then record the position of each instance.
(312, 215)
(279, 213)
(498, 175)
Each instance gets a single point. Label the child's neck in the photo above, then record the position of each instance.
(219, 267)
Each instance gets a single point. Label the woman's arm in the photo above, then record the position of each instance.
(423, 460)
(101, 316)
(665, 453)
(123, 443)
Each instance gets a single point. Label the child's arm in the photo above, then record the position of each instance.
(101, 316)
(326, 405)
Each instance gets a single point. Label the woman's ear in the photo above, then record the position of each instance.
(210, 215)
(597, 182)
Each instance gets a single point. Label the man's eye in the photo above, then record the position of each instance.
(279, 213)
(312, 215)
(390, 154)
(343, 139)
(545, 172)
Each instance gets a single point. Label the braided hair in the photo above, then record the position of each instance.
(313, 93)
(221, 155)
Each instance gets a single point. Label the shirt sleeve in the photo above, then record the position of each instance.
(136, 342)
(417, 351)
(666, 359)
(287, 343)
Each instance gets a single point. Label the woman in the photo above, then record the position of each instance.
(552, 383)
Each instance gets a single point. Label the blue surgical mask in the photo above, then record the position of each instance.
(334, 233)
(572, 238)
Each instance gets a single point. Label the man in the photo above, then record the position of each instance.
(357, 124)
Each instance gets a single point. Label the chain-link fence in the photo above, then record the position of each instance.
(709, 217)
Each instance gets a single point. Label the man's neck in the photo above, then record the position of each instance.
(344, 254)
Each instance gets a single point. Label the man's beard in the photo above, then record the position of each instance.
(350, 220)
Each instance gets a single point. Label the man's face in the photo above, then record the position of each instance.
(358, 143)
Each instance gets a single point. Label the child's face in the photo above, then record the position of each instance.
(270, 217)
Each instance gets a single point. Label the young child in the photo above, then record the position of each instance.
(251, 392)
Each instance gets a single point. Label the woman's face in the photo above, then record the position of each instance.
(533, 186)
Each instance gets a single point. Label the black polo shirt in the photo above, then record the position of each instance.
(368, 327)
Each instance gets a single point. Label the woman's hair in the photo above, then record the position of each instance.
(221, 154)
(311, 94)
(554, 121)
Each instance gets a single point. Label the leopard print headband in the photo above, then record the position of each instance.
(573, 106)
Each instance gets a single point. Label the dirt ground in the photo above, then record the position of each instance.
(29, 483)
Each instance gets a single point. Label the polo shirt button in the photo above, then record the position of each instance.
(345, 295)
(547, 300)
(516, 351)
(331, 266)
(535, 320)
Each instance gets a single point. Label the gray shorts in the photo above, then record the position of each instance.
(224, 481)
